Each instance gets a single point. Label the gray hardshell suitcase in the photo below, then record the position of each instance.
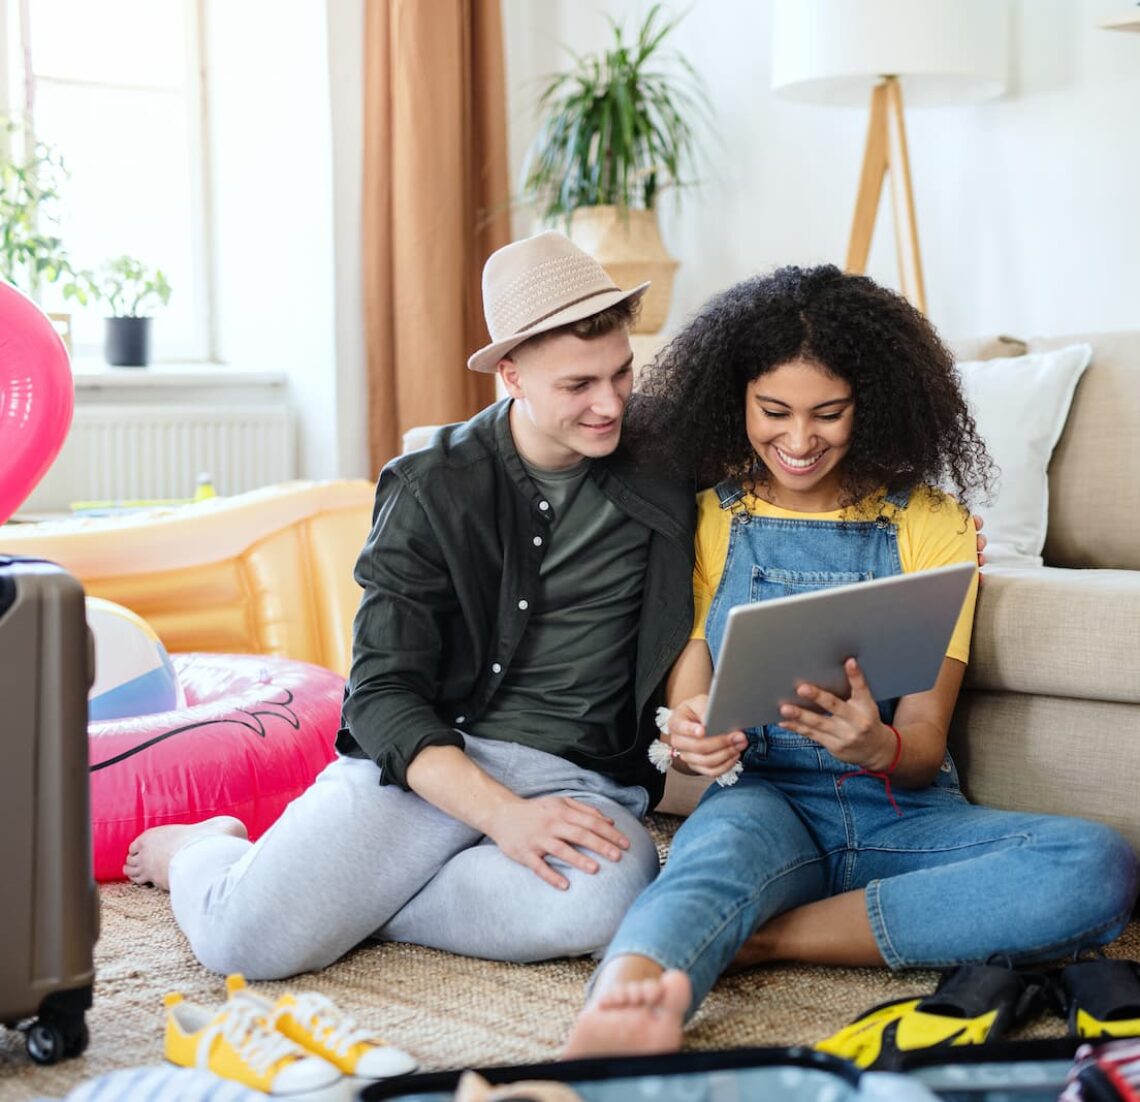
(48, 903)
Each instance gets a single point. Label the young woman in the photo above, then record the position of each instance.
(822, 410)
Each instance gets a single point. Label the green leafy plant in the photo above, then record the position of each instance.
(617, 127)
(126, 285)
(31, 175)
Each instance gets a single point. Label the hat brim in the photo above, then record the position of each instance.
(487, 358)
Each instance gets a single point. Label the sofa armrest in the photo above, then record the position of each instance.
(1058, 632)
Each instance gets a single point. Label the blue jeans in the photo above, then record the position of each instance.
(946, 882)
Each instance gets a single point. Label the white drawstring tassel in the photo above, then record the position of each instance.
(731, 775)
(661, 754)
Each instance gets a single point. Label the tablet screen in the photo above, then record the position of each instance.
(898, 628)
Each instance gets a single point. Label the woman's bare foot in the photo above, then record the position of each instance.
(149, 855)
(643, 1016)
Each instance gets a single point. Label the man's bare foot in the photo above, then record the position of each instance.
(640, 1017)
(149, 855)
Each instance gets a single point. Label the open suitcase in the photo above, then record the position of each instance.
(49, 907)
(1014, 1071)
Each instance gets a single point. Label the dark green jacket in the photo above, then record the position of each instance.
(451, 553)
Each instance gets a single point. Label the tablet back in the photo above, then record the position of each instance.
(898, 628)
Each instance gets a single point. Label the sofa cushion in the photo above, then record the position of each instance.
(1020, 404)
(1058, 632)
(1094, 494)
(1024, 752)
(1094, 505)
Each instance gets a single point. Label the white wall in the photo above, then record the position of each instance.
(1027, 206)
(1028, 216)
(269, 97)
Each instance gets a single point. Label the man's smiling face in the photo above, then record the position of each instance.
(570, 396)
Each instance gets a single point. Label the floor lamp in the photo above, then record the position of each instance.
(1129, 22)
(846, 52)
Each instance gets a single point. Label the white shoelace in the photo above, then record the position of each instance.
(329, 1024)
(258, 1045)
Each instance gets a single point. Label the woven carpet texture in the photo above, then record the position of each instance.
(449, 1011)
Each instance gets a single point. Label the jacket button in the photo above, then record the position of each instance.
(538, 541)
(544, 505)
(496, 668)
(460, 719)
(524, 604)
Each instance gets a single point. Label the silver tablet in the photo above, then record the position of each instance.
(898, 628)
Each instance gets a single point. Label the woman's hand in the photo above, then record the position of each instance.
(852, 731)
(709, 755)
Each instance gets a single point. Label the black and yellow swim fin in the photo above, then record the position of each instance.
(1101, 997)
(973, 1004)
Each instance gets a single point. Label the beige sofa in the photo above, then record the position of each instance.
(1050, 716)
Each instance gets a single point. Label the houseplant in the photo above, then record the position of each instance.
(31, 173)
(616, 129)
(131, 292)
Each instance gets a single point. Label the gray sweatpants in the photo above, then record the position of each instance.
(350, 859)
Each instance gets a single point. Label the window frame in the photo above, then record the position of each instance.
(17, 31)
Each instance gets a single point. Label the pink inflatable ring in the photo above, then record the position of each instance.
(255, 733)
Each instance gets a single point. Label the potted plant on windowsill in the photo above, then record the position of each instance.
(618, 128)
(31, 176)
(131, 292)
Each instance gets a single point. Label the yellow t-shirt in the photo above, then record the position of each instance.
(928, 537)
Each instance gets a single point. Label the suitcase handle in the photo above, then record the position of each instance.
(7, 585)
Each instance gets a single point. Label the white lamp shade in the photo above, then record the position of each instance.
(835, 51)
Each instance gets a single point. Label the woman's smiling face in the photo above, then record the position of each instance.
(799, 421)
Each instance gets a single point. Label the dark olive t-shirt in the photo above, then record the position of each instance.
(570, 684)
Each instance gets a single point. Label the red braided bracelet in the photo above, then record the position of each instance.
(883, 775)
(898, 748)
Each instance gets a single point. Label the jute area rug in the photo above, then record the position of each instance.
(449, 1011)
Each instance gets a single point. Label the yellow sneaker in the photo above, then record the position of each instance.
(236, 1043)
(317, 1024)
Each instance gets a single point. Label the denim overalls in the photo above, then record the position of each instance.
(945, 881)
(780, 557)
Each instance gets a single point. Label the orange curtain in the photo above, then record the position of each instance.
(435, 207)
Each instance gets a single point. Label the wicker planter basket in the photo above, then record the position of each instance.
(627, 243)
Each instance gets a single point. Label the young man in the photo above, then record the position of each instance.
(526, 588)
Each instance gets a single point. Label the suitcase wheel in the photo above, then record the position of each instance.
(50, 1040)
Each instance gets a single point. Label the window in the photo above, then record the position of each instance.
(116, 88)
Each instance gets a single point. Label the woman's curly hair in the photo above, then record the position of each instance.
(911, 425)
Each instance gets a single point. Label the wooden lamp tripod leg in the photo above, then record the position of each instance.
(902, 199)
(870, 183)
(886, 151)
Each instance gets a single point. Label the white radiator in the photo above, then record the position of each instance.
(130, 452)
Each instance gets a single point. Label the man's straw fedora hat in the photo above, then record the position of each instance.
(538, 284)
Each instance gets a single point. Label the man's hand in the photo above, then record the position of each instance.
(708, 755)
(530, 831)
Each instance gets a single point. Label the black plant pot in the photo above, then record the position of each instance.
(126, 341)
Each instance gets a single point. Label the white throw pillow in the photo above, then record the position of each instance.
(1020, 405)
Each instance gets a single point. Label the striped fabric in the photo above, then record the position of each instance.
(161, 1083)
